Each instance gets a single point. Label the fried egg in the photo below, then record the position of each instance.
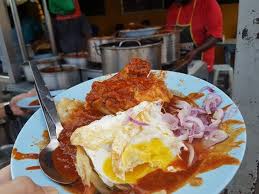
(129, 145)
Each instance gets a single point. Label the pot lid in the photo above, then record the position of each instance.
(133, 43)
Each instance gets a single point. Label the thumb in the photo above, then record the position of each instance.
(24, 185)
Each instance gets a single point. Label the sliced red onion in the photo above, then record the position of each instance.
(177, 133)
(210, 106)
(191, 135)
(218, 114)
(215, 123)
(197, 111)
(214, 138)
(212, 102)
(207, 88)
(211, 128)
(136, 122)
(197, 121)
(172, 120)
(184, 105)
(230, 112)
(205, 118)
(183, 134)
(185, 111)
(188, 125)
(181, 115)
(217, 98)
(191, 154)
(191, 138)
(199, 135)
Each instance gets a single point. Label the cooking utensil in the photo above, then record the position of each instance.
(116, 55)
(170, 45)
(54, 128)
(60, 78)
(93, 47)
(28, 73)
(176, 65)
(42, 61)
(142, 32)
(81, 62)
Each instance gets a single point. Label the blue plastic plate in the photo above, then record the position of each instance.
(213, 182)
(25, 102)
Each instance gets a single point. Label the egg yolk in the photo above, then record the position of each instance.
(150, 155)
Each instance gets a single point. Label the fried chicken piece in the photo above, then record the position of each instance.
(127, 89)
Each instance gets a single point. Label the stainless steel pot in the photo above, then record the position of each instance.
(93, 47)
(116, 55)
(90, 73)
(28, 73)
(60, 78)
(170, 46)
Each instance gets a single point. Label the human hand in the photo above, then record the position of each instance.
(21, 185)
(190, 56)
(17, 110)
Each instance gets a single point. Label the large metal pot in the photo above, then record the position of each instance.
(28, 73)
(60, 78)
(170, 46)
(116, 55)
(93, 47)
(42, 61)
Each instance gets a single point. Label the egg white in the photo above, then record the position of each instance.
(112, 134)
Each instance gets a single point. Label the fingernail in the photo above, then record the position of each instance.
(50, 190)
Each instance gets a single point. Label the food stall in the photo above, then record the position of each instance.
(169, 50)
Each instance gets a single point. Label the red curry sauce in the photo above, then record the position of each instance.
(33, 168)
(34, 103)
(23, 156)
(64, 156)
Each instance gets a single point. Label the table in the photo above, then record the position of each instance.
(229, 49)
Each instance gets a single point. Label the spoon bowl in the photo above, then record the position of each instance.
(47, 165)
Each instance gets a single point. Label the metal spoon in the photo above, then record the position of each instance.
(54, 128)
(45, 156)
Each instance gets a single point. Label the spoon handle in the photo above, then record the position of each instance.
(50, 125)
(46, 100)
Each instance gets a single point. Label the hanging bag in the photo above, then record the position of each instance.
(61, 7)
